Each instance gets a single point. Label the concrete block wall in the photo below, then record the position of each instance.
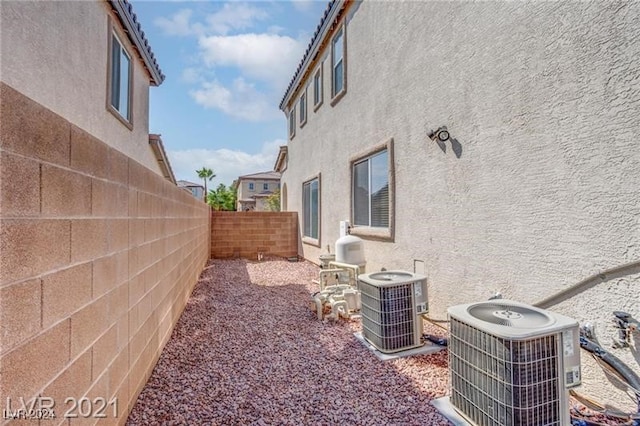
(98, 256)
(245, 234)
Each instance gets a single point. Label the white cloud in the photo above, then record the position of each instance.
(179, 24)
(240, 100)
(267, 57)
(227, 164)
(262, 63)
(232, 16)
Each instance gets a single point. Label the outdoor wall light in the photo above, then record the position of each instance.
(442, 134)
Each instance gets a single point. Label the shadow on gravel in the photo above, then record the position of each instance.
(248, 350)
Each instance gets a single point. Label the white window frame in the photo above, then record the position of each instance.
(310, 239)
(124, 113)
(265, 186)
(318, 89)
(380, 233)
(251, 186)
(336, 95)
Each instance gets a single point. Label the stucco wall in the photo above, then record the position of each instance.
(541, 188)
(56, 53)
(98, 256)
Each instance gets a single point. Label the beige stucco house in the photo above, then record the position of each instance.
(87, 61)
(194, 189)
(254, 189)
(535, 187)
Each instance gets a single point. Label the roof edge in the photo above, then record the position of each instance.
(281, 160)
(161, 157)
(330, 13)
(129, 20)
(270, 172)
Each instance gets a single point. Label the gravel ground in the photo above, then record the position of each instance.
(248, 350)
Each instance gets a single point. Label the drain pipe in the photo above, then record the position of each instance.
(632, 379)
(590, 282)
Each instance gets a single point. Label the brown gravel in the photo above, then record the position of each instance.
(248, 350)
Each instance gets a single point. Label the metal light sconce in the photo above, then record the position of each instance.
(440, 135)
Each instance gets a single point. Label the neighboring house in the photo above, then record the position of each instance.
(195, 189)
(536, 187)
(101, 85)
(254, 189)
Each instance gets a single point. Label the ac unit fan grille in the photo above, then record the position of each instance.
(388, 316)
(499, 382)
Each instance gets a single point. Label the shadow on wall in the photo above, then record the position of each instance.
(456, 146)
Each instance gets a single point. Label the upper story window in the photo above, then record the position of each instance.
(372, 185)
(265, 186)
(311, 210)
(338, 65)
(120, 76)
(250, 186)
(292, 123)
(317, 88)
(303, 108)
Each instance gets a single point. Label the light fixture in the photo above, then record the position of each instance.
(442, 134)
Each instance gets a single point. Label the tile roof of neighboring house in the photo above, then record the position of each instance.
(161, 157)
(263, 175)
(186, 183)
(129, 21)
(323, 26)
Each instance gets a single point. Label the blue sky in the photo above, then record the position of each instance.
(227, 65)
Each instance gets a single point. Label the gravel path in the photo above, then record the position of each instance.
(249, 351)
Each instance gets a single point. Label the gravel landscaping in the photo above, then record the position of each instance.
(248, 350)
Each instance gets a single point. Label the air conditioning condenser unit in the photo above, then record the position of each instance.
(391, 305)
(512, 364)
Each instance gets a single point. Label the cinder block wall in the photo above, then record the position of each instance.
(245, 234)
(98, 256)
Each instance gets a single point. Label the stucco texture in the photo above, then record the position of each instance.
(56, 53)
(538, 188)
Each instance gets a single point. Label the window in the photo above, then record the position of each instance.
(311, 208)
(120, 80)
(303, 109)
(250, 186)
(338, 75)
(265, 186)
(372, 183)
(292, 123)
(317, 88)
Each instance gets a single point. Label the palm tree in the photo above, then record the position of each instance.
(205, 174)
